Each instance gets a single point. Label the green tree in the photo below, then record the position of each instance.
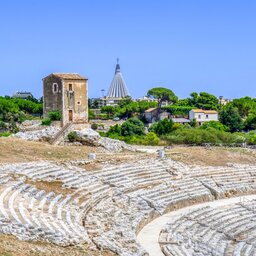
(203, 100)
(162, 127)
(109, 110)
(178, 110)
(125, 101)
(244, 105)
(162, 94)
(230, 117)
(250, 122)
(132, 126)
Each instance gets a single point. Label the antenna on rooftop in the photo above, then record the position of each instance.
(103, 92)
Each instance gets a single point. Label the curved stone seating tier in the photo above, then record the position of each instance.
(175, 194)
(108, 207)
(229, 230)
(226, 181)
(40, 215)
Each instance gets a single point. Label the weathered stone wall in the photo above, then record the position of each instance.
(76, 100)
(52, 100)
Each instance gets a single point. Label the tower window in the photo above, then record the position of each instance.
(55, 87)
(70, 87)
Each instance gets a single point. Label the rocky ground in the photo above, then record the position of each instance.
(85, 136)
(18, 150)
(11, 246)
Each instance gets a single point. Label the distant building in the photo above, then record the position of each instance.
(148, 99)
(67, 93)
(202, 116)
(22, 95)
(163, 115)
(180, 120)
(151, 115)
(223, 101)
(117, 90)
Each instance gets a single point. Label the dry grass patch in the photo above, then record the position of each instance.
(18, 150)
(50, 186)
(212, 157)
(11, 246)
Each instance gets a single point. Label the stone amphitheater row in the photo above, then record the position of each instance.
(230, 230)
(108, 207)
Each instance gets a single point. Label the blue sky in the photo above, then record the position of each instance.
(182, 45)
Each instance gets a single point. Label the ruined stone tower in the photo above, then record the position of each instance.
(67, 93)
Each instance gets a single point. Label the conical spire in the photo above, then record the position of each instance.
(117, 66)
(118, 87)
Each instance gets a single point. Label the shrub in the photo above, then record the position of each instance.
(252, 139)
(91, 114)
(103, 116)
(132, 126)
(72, 136)
(54, 115)
(137, 140)
(5, 134)
(94, 126)
(177, 126)
(152, 139)
(193, 123)
(12, 127)
(46, 121)
(162, 127)
(216, 125)
(198, 136)
(3, 125)
(115, 129)
(249, 137)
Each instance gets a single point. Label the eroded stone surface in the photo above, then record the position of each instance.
(108, 207)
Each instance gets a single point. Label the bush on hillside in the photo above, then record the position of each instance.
(3, 125)
(199, 136)
(54, 115)
(46, 121)
(72, 136)
(94, 126)
(216, 125)
(5, 134)
(115, 129)
(162, 127)
(91, 114)
(132, 126)
(152, 139)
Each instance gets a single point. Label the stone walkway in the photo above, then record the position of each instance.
(148, 236)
